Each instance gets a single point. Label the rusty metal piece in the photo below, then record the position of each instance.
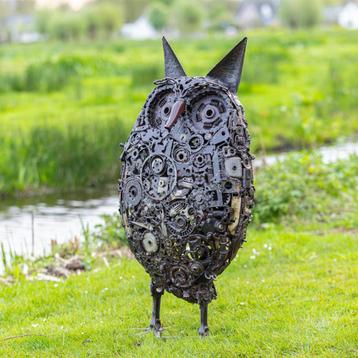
(177, 110)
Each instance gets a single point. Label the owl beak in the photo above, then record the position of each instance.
(177, 110)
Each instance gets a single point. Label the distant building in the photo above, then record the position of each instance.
(330, 14)
(348, 16)
(345, 15)
(19, 28)
(139, 29)
(256, 13)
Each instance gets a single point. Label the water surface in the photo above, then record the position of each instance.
(27, 226)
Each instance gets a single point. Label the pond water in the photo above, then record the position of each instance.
(28, 226)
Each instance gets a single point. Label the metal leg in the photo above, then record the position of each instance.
(155, 324)
(204, 328)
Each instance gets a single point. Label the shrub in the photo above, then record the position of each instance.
(111, 233)
(188, 16)
(103, 19)
(158, 16)
(303, 186)
(300, 13)
(96, 20)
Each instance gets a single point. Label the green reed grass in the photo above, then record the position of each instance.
(80, 153)
(64, 108)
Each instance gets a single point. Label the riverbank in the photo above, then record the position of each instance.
(300, 187)
(31, 225)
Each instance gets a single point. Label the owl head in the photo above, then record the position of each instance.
(205, 101)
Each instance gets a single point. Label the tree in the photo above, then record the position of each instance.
(133, 9)
(219, 16)
(43, 20)
(189, 16)
(158, 15)
(25, 6)
(13, 7)
(98, 19)
(103, 18)
(300, 13)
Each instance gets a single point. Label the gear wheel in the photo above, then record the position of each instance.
(132, 192)
(158, 176)
(181, 218)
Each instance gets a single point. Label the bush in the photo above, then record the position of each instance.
(111, 233)
(67, 26)
(188, 16)
(158, 15)
(103, 19)
(95, 21)
(297, 91)
(303, 186)
(219, 16)
(300, 13)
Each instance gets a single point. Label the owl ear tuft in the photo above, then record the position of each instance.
(229, 69)
(173, 68)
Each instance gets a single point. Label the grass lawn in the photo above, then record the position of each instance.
(297, 297)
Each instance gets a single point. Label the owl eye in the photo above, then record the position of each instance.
(165, 106)
(160, 106)
(208, 110)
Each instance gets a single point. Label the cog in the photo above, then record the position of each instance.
(158, 176)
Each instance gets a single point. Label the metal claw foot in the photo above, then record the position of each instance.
(203, 331)
(156, 328)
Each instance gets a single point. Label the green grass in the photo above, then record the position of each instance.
(298, 90)
(297, 299)
(291, 291)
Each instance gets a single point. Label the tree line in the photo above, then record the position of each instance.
(104, 18)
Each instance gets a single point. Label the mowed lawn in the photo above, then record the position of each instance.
(290, 292)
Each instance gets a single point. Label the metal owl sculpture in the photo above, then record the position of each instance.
(186, 188)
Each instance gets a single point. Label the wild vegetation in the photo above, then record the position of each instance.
(64, 108)
(302, 187)
(291, 291)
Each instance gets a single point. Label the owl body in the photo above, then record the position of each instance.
(186, 188)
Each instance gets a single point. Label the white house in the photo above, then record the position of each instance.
(139, 29)
(255, 13)
(348, 17)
